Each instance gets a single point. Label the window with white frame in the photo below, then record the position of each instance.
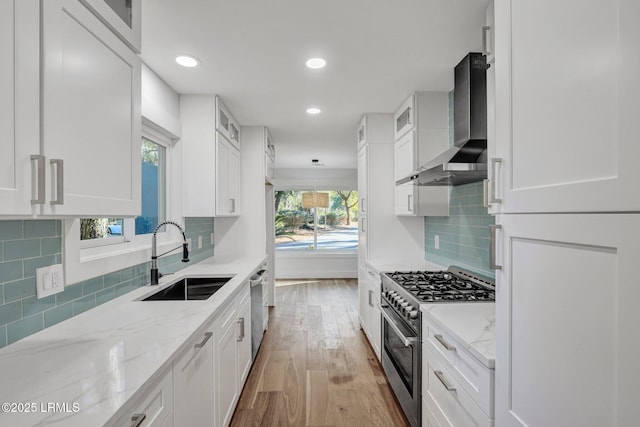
(106, 231)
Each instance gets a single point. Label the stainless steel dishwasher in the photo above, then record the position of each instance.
(258, 280)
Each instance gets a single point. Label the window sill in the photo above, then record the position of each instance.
(292, 253)
(82, 264)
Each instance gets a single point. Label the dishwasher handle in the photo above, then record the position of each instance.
(257, 278)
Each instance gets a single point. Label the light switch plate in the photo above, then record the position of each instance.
(199, 242)
(49, 280)
(211, 239)
(437, 242)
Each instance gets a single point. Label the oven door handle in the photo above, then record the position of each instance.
(407, 341)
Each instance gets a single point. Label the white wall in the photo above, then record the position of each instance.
(317, 177)
(160, 103)
(291, 265)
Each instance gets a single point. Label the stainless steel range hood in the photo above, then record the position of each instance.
(466, 161)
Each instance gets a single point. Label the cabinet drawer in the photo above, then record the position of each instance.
(475, 378)
(445, 402)
(156, 405)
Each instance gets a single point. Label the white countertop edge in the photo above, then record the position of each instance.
(33, 368)
(474, 314)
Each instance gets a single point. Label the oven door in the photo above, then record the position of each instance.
(401, 362)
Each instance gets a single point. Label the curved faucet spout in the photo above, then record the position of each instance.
(155, 275)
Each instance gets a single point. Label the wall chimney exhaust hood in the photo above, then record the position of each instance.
(466, 161)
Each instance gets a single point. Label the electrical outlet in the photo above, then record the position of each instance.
(189, 243)
(437, 242)
(211, 239)
(199, 242)
(49, 280)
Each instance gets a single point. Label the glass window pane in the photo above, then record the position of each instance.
(336, 226)
(101, 228)
(122, 8)
(153, 187)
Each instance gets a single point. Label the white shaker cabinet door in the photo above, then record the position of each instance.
(90, 114)
(19, 104)
(567, 345)
(567, 107)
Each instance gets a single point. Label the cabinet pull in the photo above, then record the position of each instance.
(439, 375)
(409, 202)
(444, 343)
(492, 194)
(409, 115)
(364, 209)
(492, 247)
(485, 45)
(207, 335)
(362, 224)
(233, 205)
(370, 297)
(137, 419)
(240, 321)
(59, 164)
(485, 193)
(39, 199)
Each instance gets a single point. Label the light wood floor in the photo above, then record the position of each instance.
(315, 366)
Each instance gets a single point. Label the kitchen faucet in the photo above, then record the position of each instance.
(155, 275)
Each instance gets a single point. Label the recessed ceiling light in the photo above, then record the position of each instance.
(187, 61)
(316, 63)
(313, 110)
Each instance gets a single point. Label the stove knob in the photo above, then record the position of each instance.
(404, 306)
(399, 302)
(413, 315)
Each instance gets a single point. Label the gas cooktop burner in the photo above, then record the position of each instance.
(445, 286)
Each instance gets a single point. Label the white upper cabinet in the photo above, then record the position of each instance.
(91, 119)
(362, 180)
(123, 17)
(211, 164)
(422, 133)
(226, 124)
(488, 34)
(403, 119)
(71, 119)
(567, 107)
(227, 178)
(19, 105)
(361, 133)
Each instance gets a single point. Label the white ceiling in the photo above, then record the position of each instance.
(253, 54)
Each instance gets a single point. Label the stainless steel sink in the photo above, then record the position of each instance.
(190, 288)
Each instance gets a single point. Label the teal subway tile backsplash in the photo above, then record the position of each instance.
(24, 327)
(31, 244)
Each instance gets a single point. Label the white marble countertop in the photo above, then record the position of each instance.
(473, 325)
(107, 356)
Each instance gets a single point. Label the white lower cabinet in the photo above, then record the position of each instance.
(567, 345)
(232, 355)
(193, 382)
(154, 408)
(457, 390)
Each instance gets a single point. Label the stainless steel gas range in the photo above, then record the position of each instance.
(402, 294)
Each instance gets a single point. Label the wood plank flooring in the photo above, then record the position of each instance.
(315, 366)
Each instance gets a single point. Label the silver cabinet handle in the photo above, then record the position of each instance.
(492, 247)
(444, 343)
(207, 335)
(137, 419)
(240, 321)
(59, 164)
(370, 297)
(409, 115)
(364, 209)
(407, 341)
(362, 224)
(371, 273)
(485, 45)
(233, 205)
(492, 194)
(485, 193)
(439, 375)
(39, 199)
(409, 202)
